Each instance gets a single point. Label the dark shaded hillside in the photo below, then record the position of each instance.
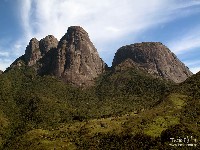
(29, 101)
(128, 105)
(177, 117)
(61, 95)
(132, 87)
(191, 86)
(191, 113)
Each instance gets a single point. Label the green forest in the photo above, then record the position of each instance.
(123, 110)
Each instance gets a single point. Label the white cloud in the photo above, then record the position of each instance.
(105, 20)
(26, 11)
(4, 54)
(186, 42)
(9, 54)
(193, 62)
(18, 48)
(195, 69)
(194, 65)
(4, 63)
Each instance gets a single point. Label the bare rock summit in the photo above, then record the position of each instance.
(32, 52)
(153, 57)
(77, 59)
(48, 43)
(74, 58)
(38, 54)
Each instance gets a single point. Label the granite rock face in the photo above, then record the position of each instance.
(32, 52)
(74, 58)
(39, 55)
(47, 44)
(153, 57)
(77, 59)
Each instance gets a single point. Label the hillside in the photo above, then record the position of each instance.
(46, 111)
(46, 102)
(127, 106)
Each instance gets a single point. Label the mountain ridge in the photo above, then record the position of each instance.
(126, 108)
(76, 60)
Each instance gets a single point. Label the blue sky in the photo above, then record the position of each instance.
(110, 24)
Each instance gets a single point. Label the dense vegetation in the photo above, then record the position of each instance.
(124, 110)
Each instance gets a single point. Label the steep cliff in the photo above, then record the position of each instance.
(77, 59)
(153, 57)
(74, 58)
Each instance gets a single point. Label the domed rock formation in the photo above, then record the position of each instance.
(153, 57)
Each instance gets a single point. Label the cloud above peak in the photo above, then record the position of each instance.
(110, 23)
(104, 20)
(186, 42)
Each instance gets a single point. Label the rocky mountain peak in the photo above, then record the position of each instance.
(74, 35)
(77, 29)
(77, 60)
(73, 59)
(32, 52)
(36, 50)
(33, 44)
(153, 57)
(47, 44)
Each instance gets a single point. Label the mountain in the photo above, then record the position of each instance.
(39, 55)
(77, 59)
(1, 72)
(45, 108)
(125, 108)
(153, 57)
(74, 58)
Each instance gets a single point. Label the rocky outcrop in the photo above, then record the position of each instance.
(73, 59)
(47, 44)
(1, 72)
(77, 59)
(38, 49)
(32, 52)
(153, 57)
(48, 47)
(38, 54)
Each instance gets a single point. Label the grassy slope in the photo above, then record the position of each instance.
(131, 107)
